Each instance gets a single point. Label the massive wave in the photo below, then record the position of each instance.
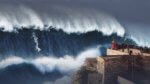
(59, 40)
(70, 20)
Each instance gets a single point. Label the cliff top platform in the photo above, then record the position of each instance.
(119, 56)
(120, 52)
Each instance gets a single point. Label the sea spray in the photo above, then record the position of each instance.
(48, 64)
(74, 22)
(36, 42)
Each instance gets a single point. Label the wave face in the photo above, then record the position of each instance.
(29, 42)
(52, 55)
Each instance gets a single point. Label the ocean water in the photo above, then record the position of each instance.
(32, 56)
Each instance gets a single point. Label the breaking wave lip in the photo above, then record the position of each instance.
(69, 21)
(47, 64)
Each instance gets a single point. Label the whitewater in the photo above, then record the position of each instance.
(47, 64)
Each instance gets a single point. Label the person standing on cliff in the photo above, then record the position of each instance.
(114, 45)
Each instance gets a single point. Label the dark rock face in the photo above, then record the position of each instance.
(84, 76)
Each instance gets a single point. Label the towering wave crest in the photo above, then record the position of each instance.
(48, 64)
(68, 20)
(63, 18)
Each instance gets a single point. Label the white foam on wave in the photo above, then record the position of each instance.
(85, 21)
(139, 33)
(19, 17)
(37, 48)
(11, 61)
(77, 21)
(48, 64)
